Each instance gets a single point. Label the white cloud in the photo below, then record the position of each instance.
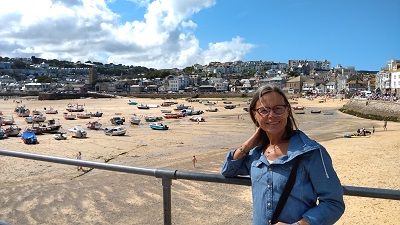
(81, 30)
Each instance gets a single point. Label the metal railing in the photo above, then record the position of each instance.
(168, 175)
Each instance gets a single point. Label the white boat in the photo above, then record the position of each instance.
(78, 132)
(6, 121)
(134, 120)
(39, 118)
(116, 131)
(96, 125)
(60, 136)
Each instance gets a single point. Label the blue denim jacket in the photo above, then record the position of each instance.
(315, 180)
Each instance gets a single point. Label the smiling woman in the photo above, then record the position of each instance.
(293, 180)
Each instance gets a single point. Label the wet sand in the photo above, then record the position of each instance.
(34, 192)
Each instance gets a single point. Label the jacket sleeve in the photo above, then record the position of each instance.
(232, 168)
(328, 189)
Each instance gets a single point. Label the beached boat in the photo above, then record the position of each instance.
(96, 125)
(171, 116)
(230, 106)
(141, 106)
(197, 119)
(28, 119)
(6, 121)
(22, 111)
(83, 115)
(77, 132)
(158, 126)
(96, 114)
(12, 131)
(51, 127)
(327, 113)
(60, 136)
(355, 136)
(69, 116)
(29, 137)
(152, 118)
(182, 106)
(134, 120)
(166, 111)
(315, 111)
(77, 108)
(35, 128)
(116, 120)
(132, 103)
(39, 118)
(35, 112)
(116, 131)
(299, 110)
(210, 109)
(225, 102)
(50, 111)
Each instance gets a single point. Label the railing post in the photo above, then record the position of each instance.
(166, 183)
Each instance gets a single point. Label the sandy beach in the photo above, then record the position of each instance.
(34, 192)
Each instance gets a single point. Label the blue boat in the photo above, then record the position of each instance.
(29, 137)
(132, 103)
(158, 126)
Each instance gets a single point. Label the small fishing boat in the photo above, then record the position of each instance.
(165, 111)
(35, 128)
(94, 125)
(315, 111)
(83, 115)
(298, 110)
(132, 103)
(77, 132)
(50, 111)
(12, 131)
(6, 121)
(39, 118)
(197, 119)
(60, 136)
(69, 116)
(171, 116)
(210, 109)
(116, 120)
(141, 106)
(51, 126)
(327, 113)
(158, 126)
(96, 114)
(152, 118)
(77, 108)
(116, 131)
(28, 119)
(230, 106)
(134, 120)
(29, 137)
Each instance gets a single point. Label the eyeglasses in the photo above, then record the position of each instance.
(278, 110)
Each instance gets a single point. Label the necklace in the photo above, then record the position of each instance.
(272, 150)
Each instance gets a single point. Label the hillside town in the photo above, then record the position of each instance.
(301, 77)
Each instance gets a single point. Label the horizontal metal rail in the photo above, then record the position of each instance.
(168, 175)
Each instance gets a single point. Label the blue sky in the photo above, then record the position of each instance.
(179, 33)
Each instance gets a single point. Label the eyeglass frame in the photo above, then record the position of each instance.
(270, 109)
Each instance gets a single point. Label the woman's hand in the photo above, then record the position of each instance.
(245, 148)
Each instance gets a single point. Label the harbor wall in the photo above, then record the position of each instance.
(372, 109)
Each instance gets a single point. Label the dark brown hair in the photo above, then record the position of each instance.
(291, 125)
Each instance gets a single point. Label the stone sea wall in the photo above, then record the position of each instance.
(377, 110)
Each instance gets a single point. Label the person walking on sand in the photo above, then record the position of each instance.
(194, 161)
(79, 156)
(384, 125)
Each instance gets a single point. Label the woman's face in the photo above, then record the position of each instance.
(272, 122)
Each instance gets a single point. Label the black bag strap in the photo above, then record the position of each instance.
(286, 191)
